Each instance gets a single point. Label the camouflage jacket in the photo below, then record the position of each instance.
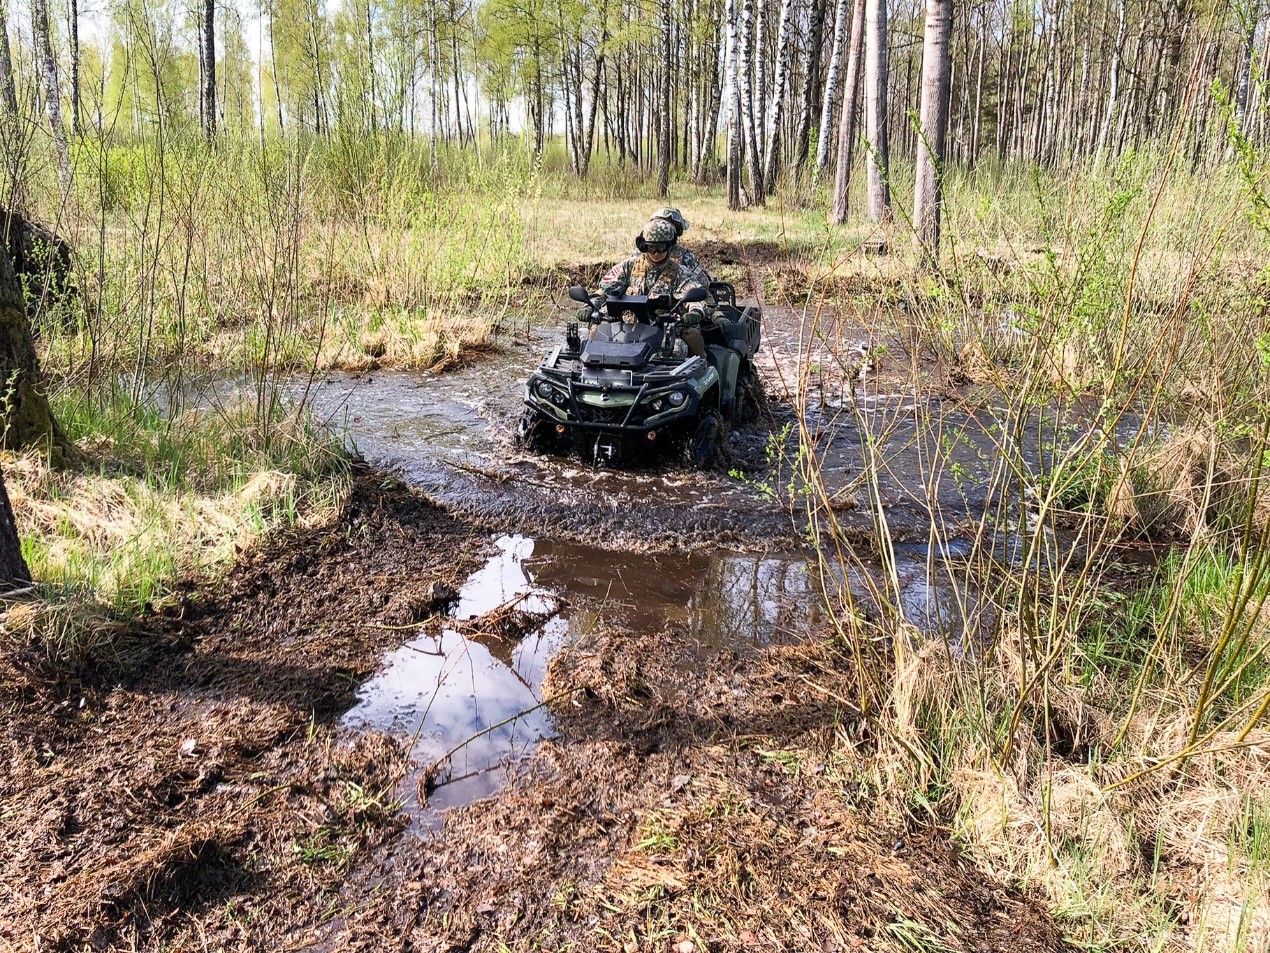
(675, 276)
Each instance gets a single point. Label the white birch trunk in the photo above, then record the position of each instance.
(8, 88)
(753, 160)
(52, 89)
(831, 88)
(778, 99)
(733, 83)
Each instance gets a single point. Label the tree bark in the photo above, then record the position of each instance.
(811, 83)
(8, 89)
(52, 89)
(927, 193)
(848, 121)
(209, 72)
(14, 573)
(73, 26)
(24, 408)
(746, 62)
(840, 40)
(875, 111)
(733, 83)
(1113, 89)
(663, 133)
(772, 159)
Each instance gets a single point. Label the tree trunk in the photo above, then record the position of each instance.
(24, 408)
(1248, 37)
(746, 64)
(811, 84)
(733, 83)
(772, 159)
(52, 89)
(875, 111)
(848, 120)
(73, 29)
(840, 40)
(1113, 89)
(209, 72)
(663, 133)
(14, 573)
(927, 193)
(8, 89)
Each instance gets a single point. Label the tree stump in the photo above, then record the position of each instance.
(24, 408)
(42, 261)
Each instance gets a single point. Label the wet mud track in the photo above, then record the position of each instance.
(932, 452)
(331, 749)
(217, 793)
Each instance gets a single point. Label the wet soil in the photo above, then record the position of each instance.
(509, 702)
(219, 797)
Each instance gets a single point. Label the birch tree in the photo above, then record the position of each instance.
(47, 64)
(840, 28)
(663, 135)
(207, 37)
(927, 192)
(735, 132)
(746, 60)
(8, 90)
(783, 45)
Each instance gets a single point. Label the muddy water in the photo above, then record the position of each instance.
(467, 698)
(580, 547)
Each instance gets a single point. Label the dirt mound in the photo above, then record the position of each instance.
(208, 794)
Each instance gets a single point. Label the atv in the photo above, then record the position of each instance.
(630, 392)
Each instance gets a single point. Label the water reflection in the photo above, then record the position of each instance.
(470, 688)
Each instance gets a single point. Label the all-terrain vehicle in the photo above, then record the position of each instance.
(630, 392)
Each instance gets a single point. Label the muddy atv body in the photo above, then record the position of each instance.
(631, 393)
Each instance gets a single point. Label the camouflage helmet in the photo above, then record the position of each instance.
(657, 231)
(675, 217)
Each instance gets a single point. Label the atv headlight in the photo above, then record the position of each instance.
(544, 390)
(676, 398)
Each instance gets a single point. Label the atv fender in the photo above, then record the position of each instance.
(728, 364)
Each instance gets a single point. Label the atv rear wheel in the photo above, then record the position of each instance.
(703, 449)
(535, 434)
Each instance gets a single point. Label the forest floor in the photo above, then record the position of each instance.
(208, 798)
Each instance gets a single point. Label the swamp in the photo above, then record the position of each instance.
(959, 642)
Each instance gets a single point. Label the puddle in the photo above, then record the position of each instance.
(464, 688)
(471, 689)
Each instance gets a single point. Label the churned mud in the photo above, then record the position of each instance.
(502, 702)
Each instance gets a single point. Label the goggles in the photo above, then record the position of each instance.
(656, 247)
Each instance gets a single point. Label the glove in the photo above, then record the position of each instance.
(583, 315)
(693, 317)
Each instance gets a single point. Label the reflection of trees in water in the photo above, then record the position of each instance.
(747, 598)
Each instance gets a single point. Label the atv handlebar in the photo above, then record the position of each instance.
(691, 296)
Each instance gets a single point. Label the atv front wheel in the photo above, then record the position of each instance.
(535, 434)
(703, 449)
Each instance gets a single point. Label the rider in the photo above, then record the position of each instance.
(654, 270)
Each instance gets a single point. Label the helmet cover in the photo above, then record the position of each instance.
(675, 217)
(659, 231)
